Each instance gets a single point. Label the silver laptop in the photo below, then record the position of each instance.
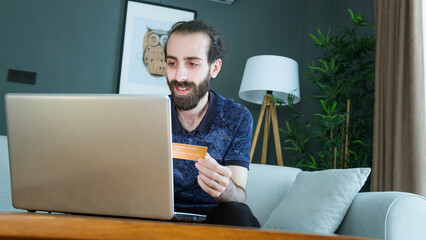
(92, 154)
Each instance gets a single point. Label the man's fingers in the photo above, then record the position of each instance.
(206, 188)
(213, 166)
(215, 185)
(217, 177)
(213, 178)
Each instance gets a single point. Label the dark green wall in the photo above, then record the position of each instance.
(74, 45)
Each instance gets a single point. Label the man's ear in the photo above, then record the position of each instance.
(215, 68)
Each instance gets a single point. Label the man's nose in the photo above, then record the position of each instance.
(181, 74)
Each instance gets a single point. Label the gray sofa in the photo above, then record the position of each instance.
(381, 215)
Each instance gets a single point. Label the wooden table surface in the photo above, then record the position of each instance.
(58, 226)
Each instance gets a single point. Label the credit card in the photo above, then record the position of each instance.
(188, 152)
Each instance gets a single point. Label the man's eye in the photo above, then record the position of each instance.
(171, 64)
(193, 64)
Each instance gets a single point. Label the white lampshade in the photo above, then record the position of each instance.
(270, 73)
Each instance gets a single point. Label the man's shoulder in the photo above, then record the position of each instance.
(228, 105)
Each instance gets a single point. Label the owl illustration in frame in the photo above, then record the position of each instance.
(145, 33)
(153, 45)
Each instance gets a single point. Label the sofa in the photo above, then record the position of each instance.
(380, 215)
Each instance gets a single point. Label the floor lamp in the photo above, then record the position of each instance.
(267, 76)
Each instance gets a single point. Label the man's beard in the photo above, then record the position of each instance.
(190, 100)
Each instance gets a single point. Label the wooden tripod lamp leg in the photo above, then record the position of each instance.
(276, 136)
(257, 130)
(266, 133)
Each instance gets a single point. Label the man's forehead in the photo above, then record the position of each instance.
(188, 44)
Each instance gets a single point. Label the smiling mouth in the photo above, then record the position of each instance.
(182, 90)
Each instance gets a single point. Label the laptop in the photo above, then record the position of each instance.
(98, 154)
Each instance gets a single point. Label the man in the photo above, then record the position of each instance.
(214, 185)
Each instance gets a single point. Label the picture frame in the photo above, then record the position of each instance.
(142, 66)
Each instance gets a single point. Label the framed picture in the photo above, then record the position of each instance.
(143, 66)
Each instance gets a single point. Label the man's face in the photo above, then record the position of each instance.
(188, 71)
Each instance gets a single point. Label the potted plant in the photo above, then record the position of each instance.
(341, 134)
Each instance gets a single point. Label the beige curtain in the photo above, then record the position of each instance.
(399, 156)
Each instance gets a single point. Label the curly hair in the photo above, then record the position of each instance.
(196, 26)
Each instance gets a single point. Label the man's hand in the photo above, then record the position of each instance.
(216, 180)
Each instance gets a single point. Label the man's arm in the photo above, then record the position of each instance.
(228, 183)
(235, 191)
(225, 183)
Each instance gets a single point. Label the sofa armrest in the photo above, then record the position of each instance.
(5, 198)
(386, 215)
(5, 193)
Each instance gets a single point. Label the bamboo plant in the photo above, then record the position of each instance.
(340, 136)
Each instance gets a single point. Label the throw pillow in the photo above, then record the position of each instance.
(318, 201)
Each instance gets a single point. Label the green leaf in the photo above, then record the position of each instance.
(360, 142)
(328, 35)
(351, 13)
(315, 38)
(324, 107)
(324, 63)
(322, 36)
(333, 107)
(288, 125)
(318, 68)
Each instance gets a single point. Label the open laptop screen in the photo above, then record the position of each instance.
(91, 153)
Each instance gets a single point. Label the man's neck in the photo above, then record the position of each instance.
(190, 119)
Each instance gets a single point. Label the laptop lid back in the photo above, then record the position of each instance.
(91, 154)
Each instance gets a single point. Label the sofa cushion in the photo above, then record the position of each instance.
(318, 201)
(266, 187)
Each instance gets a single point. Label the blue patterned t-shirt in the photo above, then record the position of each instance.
(226, 130)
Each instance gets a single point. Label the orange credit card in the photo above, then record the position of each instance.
(188, 152)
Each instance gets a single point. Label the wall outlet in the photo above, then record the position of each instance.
(21, 76)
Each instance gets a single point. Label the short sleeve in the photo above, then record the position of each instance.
(239, 150)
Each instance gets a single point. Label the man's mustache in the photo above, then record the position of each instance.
(175, 83)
